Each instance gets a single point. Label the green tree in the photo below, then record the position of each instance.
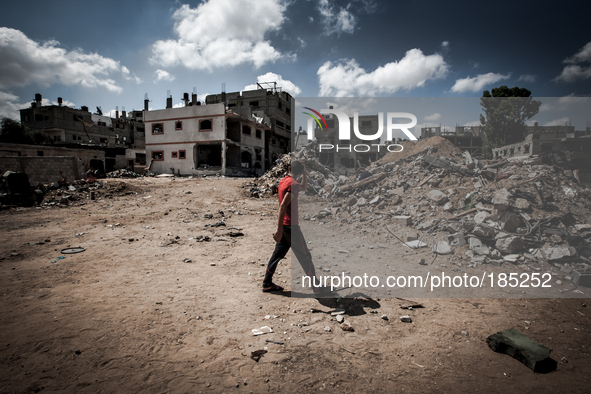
(14, 132)
(505, 112)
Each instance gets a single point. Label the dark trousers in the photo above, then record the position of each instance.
(292, 238)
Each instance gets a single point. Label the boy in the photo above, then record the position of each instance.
(288, 232)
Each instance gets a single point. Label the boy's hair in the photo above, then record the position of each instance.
(296, 167)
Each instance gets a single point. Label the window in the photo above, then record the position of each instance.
(246, 130)
(280, 124)
(103, 140)
(157, 155)
(157, 128)
(281, 144)
(39, 153)
(258, 155)
(140, 129)
(101, 123)
(254, 103)
(288, 110)
(182, 154)
(57, 138)
(175, 155)
(279, 105)
(259, 134)
(38, 118)
(205, 125)
(178, 125)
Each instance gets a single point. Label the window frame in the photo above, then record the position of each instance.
(161, 127)
(176, 122)
(183, 156)
(157, 151)
(174, 155)
(210, 127)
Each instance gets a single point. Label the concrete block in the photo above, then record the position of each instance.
(403, 220)
(532, 354)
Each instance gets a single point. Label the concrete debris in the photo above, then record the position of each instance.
(525, 206)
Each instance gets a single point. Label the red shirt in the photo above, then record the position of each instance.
(289, 185)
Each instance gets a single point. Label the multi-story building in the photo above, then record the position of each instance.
(204, 139)
(270, 102)
(464, 137)
(122, 138)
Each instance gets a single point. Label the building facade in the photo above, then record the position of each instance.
(267, 103)
(203, 140)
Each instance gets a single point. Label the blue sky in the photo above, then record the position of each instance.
(111, 53)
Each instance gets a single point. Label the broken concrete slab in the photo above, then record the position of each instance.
(442, 247)
(560, 252)
(581, 278)
(502, 199)
(438, 197)
(403, 220)
(510, 245)
(532, 354)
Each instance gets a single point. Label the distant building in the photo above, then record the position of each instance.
(346, 159)
(464, 137)
(558, 143)
(122, 138)
(268, 101)
(204, 139)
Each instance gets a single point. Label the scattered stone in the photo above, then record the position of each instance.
(187, 260)
(443, 248)
(385, 317)
(522, 204)
(405, 319)
(340, 318)
(510, 245)
(438, 197)
(422, 262)
(560, 252)
(327, 329)
(501, 200)
(347, 327)
(448, 207)
(402, 220)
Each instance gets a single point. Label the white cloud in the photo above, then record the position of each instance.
(335, 19)
(574, 70)
(584, 55)
(219, 33)
(445, 44)
(564, 103)
(25, 61)
(472, 123)
(527, 78)
(9, 105)
(477, 83)
(558, 122)
(162, 75)
(130, 76)
(285, 85)
(347, 78)
(432, 118)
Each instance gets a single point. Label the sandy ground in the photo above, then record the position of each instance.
(129, 315)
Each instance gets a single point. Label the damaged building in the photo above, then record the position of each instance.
(204, 140)
(357, 153)
(121, 138)
(561, 145)
(468, 138)
(268, 100)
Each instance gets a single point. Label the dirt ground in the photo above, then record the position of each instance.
(132, 314)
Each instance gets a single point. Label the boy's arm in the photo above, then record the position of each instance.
(281, 215)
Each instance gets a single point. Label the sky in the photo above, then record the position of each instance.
(111, 53)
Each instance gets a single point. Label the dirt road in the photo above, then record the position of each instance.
(160, 303)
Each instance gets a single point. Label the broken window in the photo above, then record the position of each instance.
(157, 128)
(259, 157)
(245, 158)
(38, 118)
(280, 124)
(288, 110)
(175, 155)
(157, 155)
(259, 134)
(178, 125)
(254, 103)
(246, 130)
(182, 154)
(205, 125)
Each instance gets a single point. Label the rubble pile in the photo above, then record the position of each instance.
(516, 211)
(123, 173)
(321, 180)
